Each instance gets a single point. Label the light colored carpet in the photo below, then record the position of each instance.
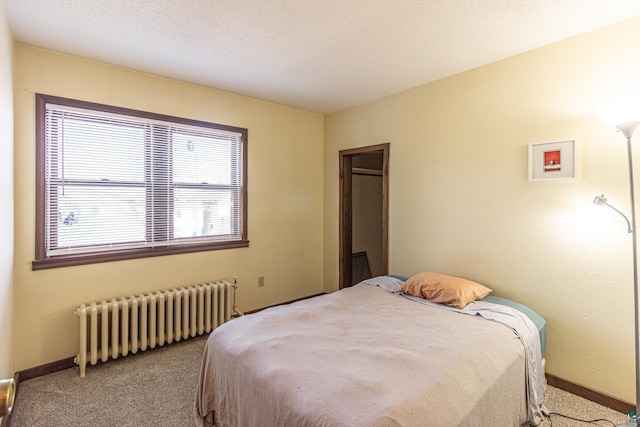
(157, 388)
(154, 388)
(560, 401)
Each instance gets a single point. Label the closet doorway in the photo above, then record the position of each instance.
(364, 209)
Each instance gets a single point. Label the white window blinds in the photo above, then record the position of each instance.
(120, 182)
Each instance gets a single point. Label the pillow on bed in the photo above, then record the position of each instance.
(444, 289)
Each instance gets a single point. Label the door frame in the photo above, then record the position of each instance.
(346, 208)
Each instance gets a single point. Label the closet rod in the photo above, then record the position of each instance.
(363, 171)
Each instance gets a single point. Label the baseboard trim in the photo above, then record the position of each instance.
(284, 303)
(47, 369)
(589, 394)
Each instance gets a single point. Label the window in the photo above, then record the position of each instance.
(116, 184)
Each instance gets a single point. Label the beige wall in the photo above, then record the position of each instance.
(460, 201)
(6, 199)
(285, 202)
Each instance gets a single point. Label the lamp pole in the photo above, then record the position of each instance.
(624, 113)
(627, 130)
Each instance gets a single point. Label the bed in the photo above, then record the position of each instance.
(370, 356)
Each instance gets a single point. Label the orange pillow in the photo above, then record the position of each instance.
(443, 289)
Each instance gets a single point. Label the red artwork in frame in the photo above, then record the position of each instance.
(552, 161)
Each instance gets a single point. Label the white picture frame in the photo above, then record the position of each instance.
(553, 161)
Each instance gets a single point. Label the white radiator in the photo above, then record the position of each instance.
(109, 329)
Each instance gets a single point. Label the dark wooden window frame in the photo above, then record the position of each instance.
(43, 262)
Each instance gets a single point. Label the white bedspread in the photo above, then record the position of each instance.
(508, 316)
(362, 357)
(528, 334)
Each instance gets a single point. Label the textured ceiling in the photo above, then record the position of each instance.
(318, 55)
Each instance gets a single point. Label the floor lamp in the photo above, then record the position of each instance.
(625, 115)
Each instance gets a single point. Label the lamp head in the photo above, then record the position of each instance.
(600, 200)
(621, 113)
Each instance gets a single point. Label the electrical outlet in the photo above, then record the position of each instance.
(260, 281)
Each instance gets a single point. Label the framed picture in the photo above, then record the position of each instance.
(553, 160)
